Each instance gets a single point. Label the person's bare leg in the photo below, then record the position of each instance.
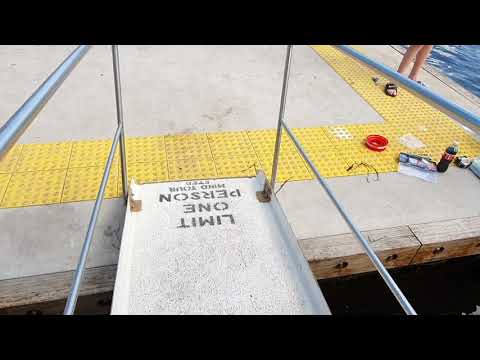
(408, 58)
(419, 61)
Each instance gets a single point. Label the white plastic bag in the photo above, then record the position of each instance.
(429, 176)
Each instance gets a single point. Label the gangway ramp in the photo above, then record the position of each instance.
(211, 247)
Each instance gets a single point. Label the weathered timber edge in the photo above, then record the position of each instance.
(328, 256)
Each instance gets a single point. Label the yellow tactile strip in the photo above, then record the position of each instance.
(38, 174)
(84, 183)
(91, 153)
(34, 188)
(9, 161)
(403, 114)
(4, 179)
(38, 157)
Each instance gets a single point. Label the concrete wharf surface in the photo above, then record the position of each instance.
(185, 90)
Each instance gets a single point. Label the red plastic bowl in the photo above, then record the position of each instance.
(377, 142)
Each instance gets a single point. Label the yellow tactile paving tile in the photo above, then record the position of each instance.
(145, 149)
(187, 146)
(329, 162)
(347, 135)
(263, 142)
(263, 135)
(291, 167)
(442, 124)
(333, 149)
(340, 133)
(471, 150)
(39, 157)
(268, 151)
(145, 173)
(9, 161)
(434, 152)
(313, 138)
(191, 168)
(34, 188)
(91, 153)
(384, 161)
(288, 171)
(230, 144)
(356, 74)
(237, 166)
(84, 183)
(438, 141)
(266, 137)
(4, 179)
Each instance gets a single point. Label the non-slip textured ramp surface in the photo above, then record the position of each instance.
(41, 174)
(210, 247)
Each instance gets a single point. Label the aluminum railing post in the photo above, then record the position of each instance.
(77, 279)
(276, 154)
(118, 100)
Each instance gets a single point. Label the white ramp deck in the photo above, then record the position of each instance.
(210, 247)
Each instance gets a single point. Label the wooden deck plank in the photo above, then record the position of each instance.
(447, 239)
(96, 304)
(56, 286)
(341, 255)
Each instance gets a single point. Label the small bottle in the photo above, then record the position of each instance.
(447, 158)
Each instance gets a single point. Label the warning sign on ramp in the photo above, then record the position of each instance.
(210, 247)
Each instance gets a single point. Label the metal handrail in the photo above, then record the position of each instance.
(16, 125)
(281, 113)
(439, 102)
(366, 246)
(75, 289)
(119, 137)
(118, 102)
(19, 122)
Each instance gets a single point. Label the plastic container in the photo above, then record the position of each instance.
(376, 142)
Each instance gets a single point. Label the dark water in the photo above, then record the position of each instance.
(461, 63)
(443, 288)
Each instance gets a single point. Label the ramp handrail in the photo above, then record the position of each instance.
(366, 246)
(119, 137)
(77, 279)
(442, 104)
(16, 125)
